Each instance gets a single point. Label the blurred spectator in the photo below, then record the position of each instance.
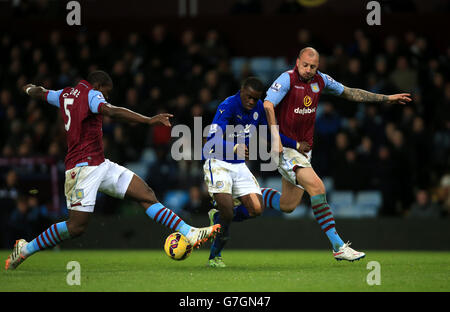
(163, 173)
(290, 7)
(213, 48)
(384, 180)
(423, 207)
(402, 172)
(246, 7)
(9, 192)
(27, 220)
(403, 77)
(347, 174)
(443, 194)
(327, 125)
(197, 203)
(366, 159)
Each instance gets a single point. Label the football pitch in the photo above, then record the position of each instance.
(246, 271)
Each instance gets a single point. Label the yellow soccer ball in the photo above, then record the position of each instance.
(177, 246)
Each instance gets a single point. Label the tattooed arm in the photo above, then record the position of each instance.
(359, 95)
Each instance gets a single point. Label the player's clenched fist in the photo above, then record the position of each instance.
(25, 88)
(303, 147)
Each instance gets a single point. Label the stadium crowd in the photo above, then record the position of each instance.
(403, 151)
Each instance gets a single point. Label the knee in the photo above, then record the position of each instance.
(256, 210)
(287, 207)
(316, 188)
(147, 202)
(149, 199)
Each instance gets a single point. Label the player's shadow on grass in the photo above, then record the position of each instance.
(250, 268)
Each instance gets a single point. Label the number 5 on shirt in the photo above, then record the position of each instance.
(66, 109)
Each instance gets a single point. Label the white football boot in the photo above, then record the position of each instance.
(198, 236)
(15, 258)
(347, 253)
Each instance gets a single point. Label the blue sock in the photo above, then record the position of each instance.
(240, 214)
(271, 198)
(52, 236)
(219, 242)
(324, 217)
(168, 218)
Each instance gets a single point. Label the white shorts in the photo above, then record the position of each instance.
(234, 179)
(83, 183)
(291, 159)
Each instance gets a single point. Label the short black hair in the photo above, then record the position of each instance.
(254, 83)
(100, 77)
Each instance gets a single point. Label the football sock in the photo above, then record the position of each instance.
(271, 198)
(219, 242)
(240, 214)
(324, 217)
(54, 235)
(168, 218)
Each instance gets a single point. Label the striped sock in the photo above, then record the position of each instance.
(271, 198)
(54, 235)
(168, 218)
(324, 217)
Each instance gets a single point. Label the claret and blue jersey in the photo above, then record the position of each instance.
(95, 98)
(282, 85)
(296, 102)
(79, 107)
(232, 113)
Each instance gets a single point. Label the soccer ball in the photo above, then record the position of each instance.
(177, 247)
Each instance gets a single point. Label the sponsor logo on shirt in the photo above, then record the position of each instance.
(304, 111)
(299, 87)
(276, 87)
(307, 101)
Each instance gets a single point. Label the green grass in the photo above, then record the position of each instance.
(247, 270)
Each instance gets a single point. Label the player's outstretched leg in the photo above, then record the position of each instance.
(271, 198)
(139, 191)
(224, 218)
(54, 235)
(324, 216)
(251, 207)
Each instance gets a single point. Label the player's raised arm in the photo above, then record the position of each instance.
(121, 113)
(35, 92)
(363, 96)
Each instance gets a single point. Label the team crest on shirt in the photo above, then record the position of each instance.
(315, 87)
(79, 193)
(73, 174)
(276, 86)
(219, 184)
(255, 115)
